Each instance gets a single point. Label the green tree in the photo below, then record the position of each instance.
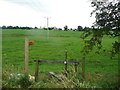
(35, 28)
(4, 27)
(65, 28)
(86, 29)
(107, 14)
(9, 27)
(80, 28)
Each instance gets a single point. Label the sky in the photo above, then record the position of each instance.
(34, 12)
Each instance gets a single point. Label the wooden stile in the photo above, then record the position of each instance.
(49, 61)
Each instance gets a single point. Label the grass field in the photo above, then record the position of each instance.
(50, 45)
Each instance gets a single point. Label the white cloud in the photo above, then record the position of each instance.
(12, 14)
(32, 13)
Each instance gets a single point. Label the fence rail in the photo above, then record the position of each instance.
(62, 62)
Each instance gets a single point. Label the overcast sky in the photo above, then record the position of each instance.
(32, 12)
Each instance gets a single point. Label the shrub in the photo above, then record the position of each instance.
(24, 81)
(18, 81)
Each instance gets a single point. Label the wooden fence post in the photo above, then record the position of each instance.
(65, 62)
(76, 67)
(37, 71)
(26, 56)
(83, 67)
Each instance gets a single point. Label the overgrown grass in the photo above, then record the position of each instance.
(100, 69)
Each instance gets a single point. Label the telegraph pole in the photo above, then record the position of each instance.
(47, 21)
(47, 24)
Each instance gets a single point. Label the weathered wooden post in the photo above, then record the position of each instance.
(76, 67)
(37, 71)
(26, 55)
(83, 67)
(65, 62)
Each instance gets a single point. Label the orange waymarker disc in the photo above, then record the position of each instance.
(31, 42)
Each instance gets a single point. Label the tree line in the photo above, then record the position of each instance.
(17, 27)
(65, 28)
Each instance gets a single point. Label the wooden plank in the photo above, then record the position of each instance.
(83, 67)
(62, 62)
(26, 55)
(54, 75)
(36, 71)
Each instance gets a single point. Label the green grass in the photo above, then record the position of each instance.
(52, 47)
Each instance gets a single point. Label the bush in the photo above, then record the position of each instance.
(18, 81)
(24, 81)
